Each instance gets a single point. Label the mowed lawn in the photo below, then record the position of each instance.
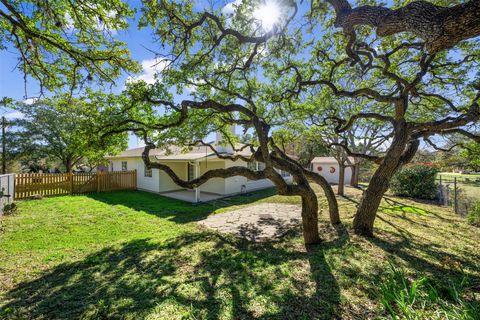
(135, 255)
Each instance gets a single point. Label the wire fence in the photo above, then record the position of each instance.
(458, 193)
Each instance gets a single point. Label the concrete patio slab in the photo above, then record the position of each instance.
(257, 223)
(189, 195)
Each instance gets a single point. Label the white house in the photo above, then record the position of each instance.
(189, 165)
(328, 167)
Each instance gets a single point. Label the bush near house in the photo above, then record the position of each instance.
(416, 181)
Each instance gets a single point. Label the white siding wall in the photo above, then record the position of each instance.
(234, 184)
(332, 177)
(215, 185)
(143, 183)
(166, 183)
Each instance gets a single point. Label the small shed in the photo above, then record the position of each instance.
(328, 167)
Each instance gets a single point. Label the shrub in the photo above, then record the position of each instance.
(10, 208)
(473, 214)
(415, 181)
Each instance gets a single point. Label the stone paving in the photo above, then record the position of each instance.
(257, 223)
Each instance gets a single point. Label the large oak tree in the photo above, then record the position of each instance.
(417, 91)
(60, 128)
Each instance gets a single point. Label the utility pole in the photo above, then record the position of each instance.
(4, 146)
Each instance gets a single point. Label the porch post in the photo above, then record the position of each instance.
(197, 191)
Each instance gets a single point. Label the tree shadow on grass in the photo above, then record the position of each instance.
(176, 210)
(431, 259)
(199, 275)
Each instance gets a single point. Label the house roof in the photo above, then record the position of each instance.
(178, 153)
(329, 160)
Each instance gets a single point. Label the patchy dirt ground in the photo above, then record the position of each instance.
(258, 222)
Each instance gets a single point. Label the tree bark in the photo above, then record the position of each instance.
(68, 165)
(367, 210)
(355, 174)
(310, 217)
(341, 179)
(329, 194)
(440, 27)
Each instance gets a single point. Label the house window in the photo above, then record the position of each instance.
(252, 165)
(256, 166)
(147, 172)
(284, 173)
(124, 165)
(260, 166)
(190, 171)
(111, 165)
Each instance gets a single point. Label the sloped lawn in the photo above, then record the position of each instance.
(134, 255)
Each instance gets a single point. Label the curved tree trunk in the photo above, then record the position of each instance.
(401, 152)
(310, 217)
(367, 210)
(341, 179)
(329, 194)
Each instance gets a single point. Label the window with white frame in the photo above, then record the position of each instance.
(124, 166)
(260, 166)
(284, 173)
(190, 171)
(147, 172)
(256, 166)
(110, 163)
(252, 165)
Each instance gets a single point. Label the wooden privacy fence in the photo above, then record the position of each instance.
(54, 184)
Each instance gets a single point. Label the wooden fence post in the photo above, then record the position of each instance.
(70, 177)
(135, 179)
(98, 181)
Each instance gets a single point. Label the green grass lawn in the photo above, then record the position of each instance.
(461, 175)
(135, 255)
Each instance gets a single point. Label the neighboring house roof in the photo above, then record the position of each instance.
(329, 160)
(178, 153)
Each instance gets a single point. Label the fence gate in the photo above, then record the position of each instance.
(7, 190)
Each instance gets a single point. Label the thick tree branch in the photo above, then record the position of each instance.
(375, 159)
(440, 27)
(463, 132)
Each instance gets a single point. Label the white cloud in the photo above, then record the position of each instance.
(14, 115)
(30, 101)
(103, 27)
(99, 24)
(151, 68)
(230, 7)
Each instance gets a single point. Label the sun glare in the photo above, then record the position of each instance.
(268, 15)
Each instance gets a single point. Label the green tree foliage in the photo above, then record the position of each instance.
(67, 43)
(415, 181)
(60, 128)
(471, 154)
